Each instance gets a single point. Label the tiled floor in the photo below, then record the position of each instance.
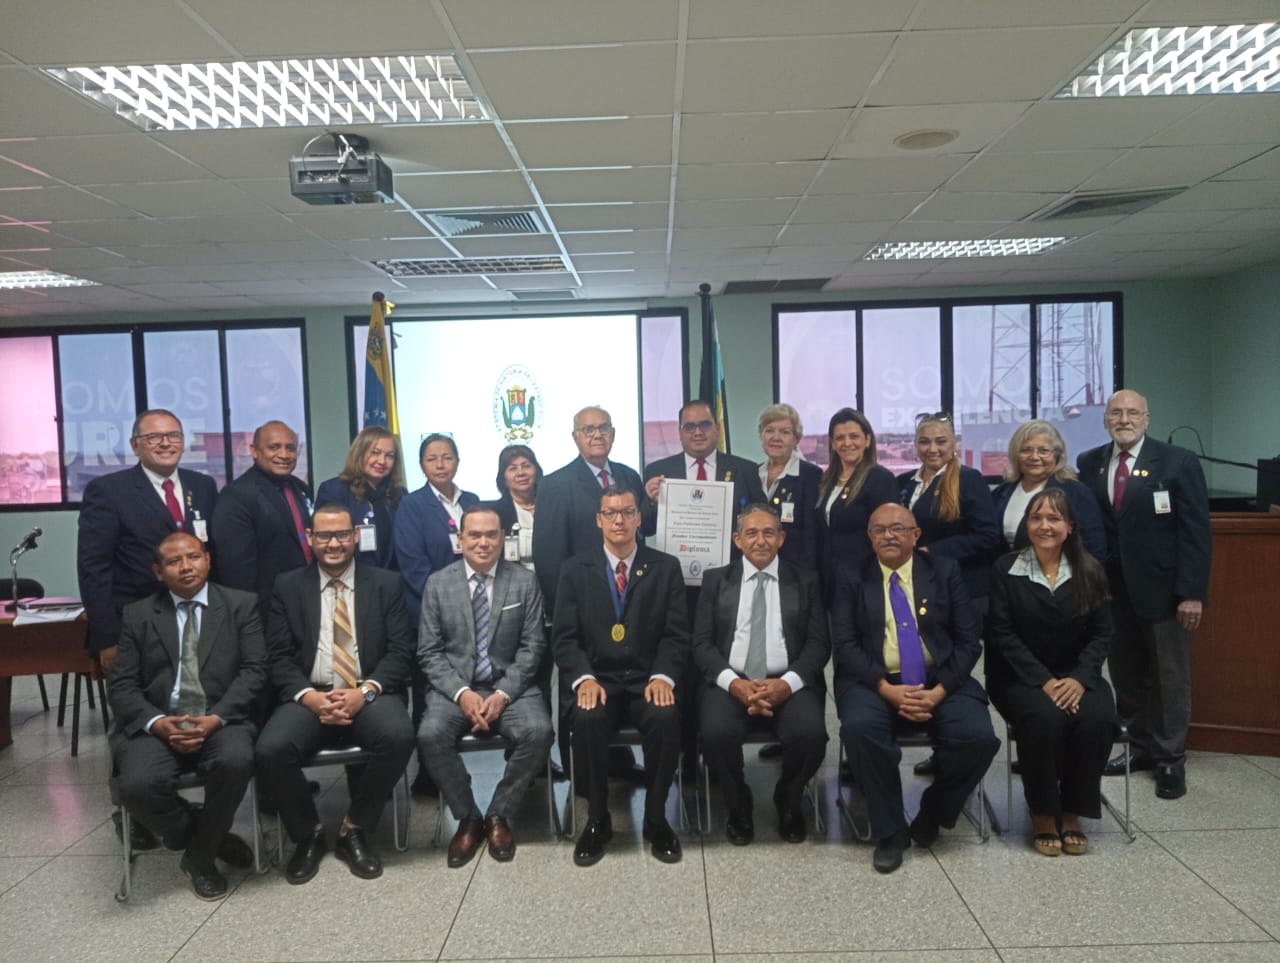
(1201, 882)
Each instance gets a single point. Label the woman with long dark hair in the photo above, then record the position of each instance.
(370, 485)
(518, 476)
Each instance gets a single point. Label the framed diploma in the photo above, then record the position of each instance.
(695, 519)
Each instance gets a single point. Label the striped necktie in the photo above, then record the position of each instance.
(480, 609)
(346, 670)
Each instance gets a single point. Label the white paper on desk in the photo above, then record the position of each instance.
(694, 521)
(53, 613)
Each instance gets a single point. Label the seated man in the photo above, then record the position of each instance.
(189, 667)
(620, 638)
(905, 640)
(760, 640)
(480, 643)
(339, 651)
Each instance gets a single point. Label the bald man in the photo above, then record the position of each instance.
(1155, 508)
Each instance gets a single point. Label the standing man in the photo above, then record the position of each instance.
(621, 641)
(261, 520)
(125, 515)
(1155, 506)
(760, 641)
(339, 653)
(480, 644)
(906, 641)
(190, 666)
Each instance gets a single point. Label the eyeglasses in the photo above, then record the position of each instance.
(609, 514)
(896, 529)
(153, 438)
(592, 430)
(939, 416)
(1132, 414)
(1038, 452)
(342, 537)
(689, 427)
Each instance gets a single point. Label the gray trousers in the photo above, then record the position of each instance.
(1150, 664)
(525, 724)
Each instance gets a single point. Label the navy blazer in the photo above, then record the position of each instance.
(971, 539)
(1088, 516)
(1156, 559)
(384, 639)
(254, 531)
(949, 627)
(122, 520)
(337, 491)
(843, 542)
(423, 545)
(800, 491)
(743, 474)
(568, 500)
(656, 639)
(804, 622)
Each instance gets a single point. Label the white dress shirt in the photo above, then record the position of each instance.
(775, 645)
(1115, 463)
(202, 598)
(322, 668)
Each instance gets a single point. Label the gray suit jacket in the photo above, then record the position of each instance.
(447, 632)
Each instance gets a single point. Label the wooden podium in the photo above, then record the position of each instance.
(1235, 655)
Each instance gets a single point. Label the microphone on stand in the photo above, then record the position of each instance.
(27, 544)
(29, 541)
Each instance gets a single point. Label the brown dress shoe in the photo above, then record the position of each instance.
(466, 841)
(501, 846)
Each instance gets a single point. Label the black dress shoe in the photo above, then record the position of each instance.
(791, 825)
(358, 853)
(234, 851)
(206, 881)
(662, 841)
(305, 861)
(770, 750)
(1115, 765)
(1171, 781)
(924, 828)
(740, 827)
(140, 837)
(926, 767)
(590, 847)
(888, 854)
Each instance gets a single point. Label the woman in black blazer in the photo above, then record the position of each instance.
(852, 487)
(518, 476)
(952, 505)
(1048, 631)
(370, 485)
(790, 484)
(1038, 460)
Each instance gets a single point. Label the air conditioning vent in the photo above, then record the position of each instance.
(454, 266)
(1104, 204)
(547, 294)
(486, 223)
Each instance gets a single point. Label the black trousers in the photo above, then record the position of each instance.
(660, 737)
(294, 733)
(798, 724)
(148, 772)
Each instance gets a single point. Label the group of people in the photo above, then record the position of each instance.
(243, 631)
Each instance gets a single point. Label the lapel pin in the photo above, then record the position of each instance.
(728, 476)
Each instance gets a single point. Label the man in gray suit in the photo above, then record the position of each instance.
(480, 642)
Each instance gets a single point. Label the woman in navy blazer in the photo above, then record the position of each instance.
(852, 487)
(952, 505)
(370, 487)
(1038, 460)
(790, 484)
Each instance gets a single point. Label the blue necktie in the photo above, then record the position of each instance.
(910, 651)
(480, 608)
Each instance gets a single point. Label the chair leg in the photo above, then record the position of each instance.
(401, 828)
(256, 823)
(126, 881)
(681, 810)
(89, 692)
(571, 824)
(704, 810)
(102, 700)
(62, 701)
(44, 694)
(553, 811)
(813, 790)
(75, 719)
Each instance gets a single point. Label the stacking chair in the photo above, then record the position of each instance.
(628, 737)
(470, 742)
(755, 737)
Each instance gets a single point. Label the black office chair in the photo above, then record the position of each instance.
(28, 588)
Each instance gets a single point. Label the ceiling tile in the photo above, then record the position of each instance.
(697, 182)
(731, 213)
(33, 105)
(767, 18)
(976, 125)
(103, 159)
(620, 242)
(858, 207)
(57, 204)
(887, 175)
(1167, 166)
(67, 32)
(944, 14)
(978, 206)
(597, 217)
(1090, 124)
(724, 237)
(852, 233)
(179, 198)
(500, 23)
(1057, 171)
(429, 148)
(1262, 168)
(506, 246)
(1221, 120)
(441, 191)
(593, 143)
(1225, 196)
(747, 138)
(602, 186)
(1166, 12)
(356, 222)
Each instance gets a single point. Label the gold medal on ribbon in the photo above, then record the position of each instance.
(619, 632)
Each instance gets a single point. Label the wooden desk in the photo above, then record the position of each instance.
(1235, 658)
(47, 648)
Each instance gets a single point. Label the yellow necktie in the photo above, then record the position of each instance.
(345, 670)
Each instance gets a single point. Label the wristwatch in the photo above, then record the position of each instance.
(370, 693)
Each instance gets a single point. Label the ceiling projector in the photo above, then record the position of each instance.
(350, 173)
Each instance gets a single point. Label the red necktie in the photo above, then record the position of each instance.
(604, 478)
(702, 469)
(620, 577)
(298, 528)
(171, 503)
(1121, 481)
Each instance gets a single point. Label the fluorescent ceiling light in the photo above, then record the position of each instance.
(998, 247)
(1161, 61)
(441, 266)
(41, 279)
(281, 93)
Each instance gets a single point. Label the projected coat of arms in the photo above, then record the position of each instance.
(516, 404)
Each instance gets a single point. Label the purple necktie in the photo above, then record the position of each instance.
(910, 652)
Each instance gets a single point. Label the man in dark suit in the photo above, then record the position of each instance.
(125, 515)
(190, 665)
(906, 639)
(1155, 509)
(261, 519)
(340, 677)
(760, 641)
(480, 642)
(621, 640)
